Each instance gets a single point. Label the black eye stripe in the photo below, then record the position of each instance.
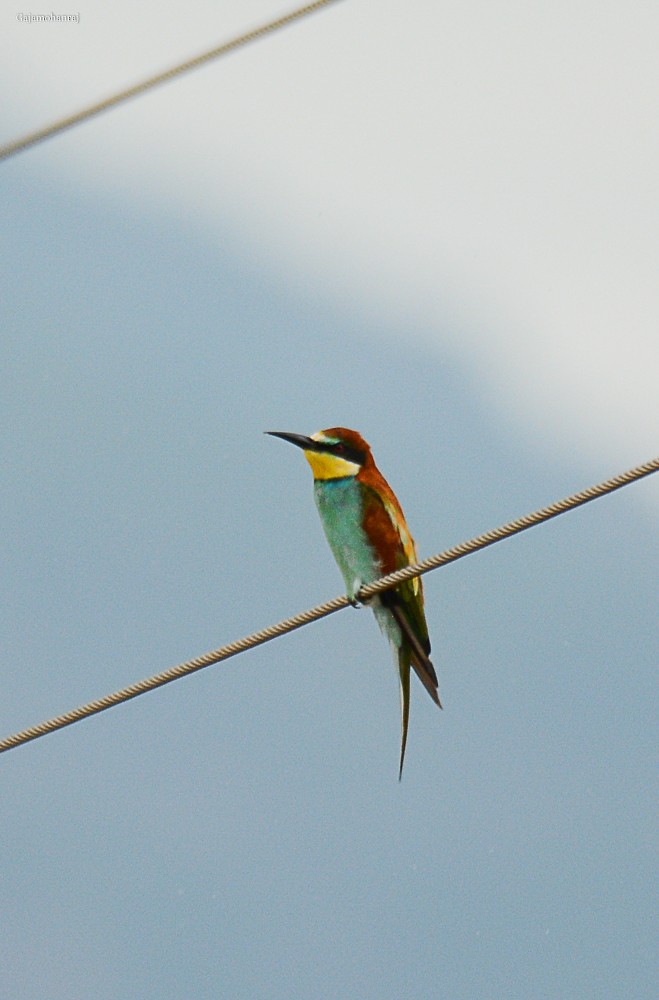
(345, 451)
(338, 448)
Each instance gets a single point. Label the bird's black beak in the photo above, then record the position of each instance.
(307, 443)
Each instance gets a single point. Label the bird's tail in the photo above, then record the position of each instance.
(408, 652)
(416, 655)
(404, 660)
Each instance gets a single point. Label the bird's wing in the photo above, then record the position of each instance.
(388, 533)
(416, 655)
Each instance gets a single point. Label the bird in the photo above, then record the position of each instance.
(369, 538)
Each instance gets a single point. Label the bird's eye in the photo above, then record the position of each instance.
(339, 448)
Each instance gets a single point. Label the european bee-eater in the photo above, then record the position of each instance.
(367, 533)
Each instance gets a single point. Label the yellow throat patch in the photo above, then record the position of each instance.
(326, 466)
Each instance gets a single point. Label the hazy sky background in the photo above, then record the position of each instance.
(436, 223)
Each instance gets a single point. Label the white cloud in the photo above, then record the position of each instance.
(495, 163)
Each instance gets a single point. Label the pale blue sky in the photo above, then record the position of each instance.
(242, 833)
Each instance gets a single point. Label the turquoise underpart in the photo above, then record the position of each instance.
(339, 503)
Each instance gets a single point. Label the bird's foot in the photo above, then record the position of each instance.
(353, 595)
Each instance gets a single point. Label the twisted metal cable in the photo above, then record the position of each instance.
(512, 528)
(329, 607)
(32, 138)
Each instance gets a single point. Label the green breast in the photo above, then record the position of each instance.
(339, 503)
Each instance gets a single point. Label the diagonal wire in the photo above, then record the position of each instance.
(32, 138)
(329, 607)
